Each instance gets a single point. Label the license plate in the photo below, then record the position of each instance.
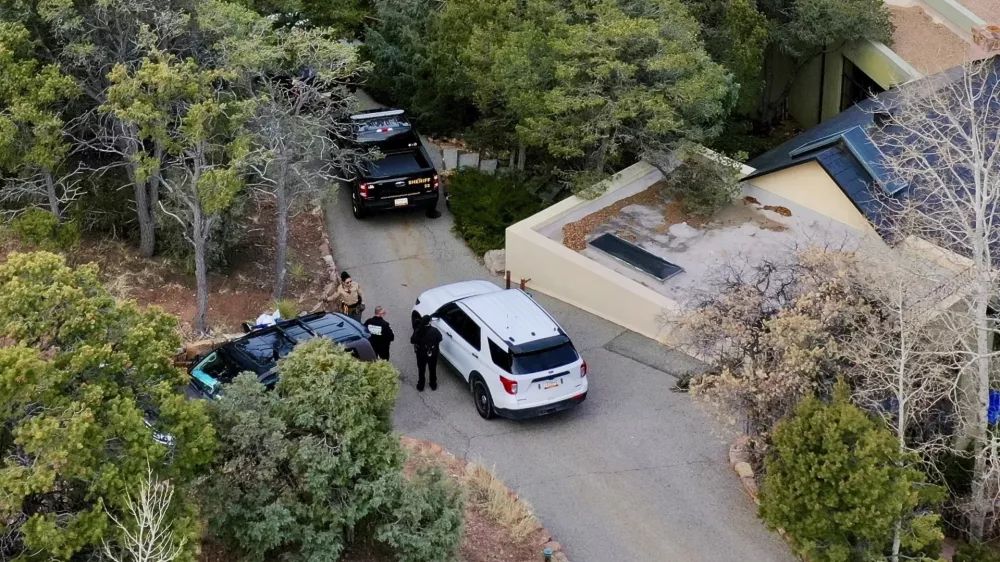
(552, 384)
(402, 201)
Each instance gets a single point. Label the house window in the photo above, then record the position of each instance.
(856, 86)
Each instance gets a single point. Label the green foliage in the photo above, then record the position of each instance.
(425, 524)
(347, 17)
(742, 34)
(76, 388)
(804, 28)
(33, 97)
(702, 186)
(302, 467)
(976, 552)
(837, 483)
(413, 67)
(484, 206)
(43, 230)
(287, 307)
(590, 83)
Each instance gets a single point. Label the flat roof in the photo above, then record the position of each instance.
(756, 227)
(928, 46)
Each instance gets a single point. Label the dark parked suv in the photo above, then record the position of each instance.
(403, 178)
(258, 351)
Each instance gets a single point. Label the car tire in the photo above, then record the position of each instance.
(356, 209)
(482, 398)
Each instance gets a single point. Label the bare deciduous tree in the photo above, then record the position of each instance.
(145, 531)
(938, 139)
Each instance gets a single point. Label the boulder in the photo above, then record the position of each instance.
(496, 261)
(744, 470)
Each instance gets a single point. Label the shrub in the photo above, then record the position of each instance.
(484, 206)
(302, 467)
(76, 394)
(42, 229)
(425, 524)
(287, 307)
(975, 552)
(702, 186)
(837, 483)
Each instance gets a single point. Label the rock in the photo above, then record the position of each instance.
(559, 557)
(683, 230)
(488, 166)
(553, 546)
(496, 261)
(743, 469)
(450, 155)
(468, 160)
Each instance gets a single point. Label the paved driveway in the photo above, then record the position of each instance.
(634, 474)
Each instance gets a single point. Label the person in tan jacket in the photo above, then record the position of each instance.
(346, 298)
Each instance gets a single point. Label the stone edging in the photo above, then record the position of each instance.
(739, 460)
(437, 450)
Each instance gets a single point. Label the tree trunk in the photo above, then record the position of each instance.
(981, 402)
(281, 249)
(50, 191)
(145, 213)
(200, 274)
(601, 156)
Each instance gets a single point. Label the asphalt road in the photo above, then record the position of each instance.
(636, 473)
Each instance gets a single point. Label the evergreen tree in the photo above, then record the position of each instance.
(837, 483)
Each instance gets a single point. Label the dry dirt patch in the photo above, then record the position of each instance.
(239, 292)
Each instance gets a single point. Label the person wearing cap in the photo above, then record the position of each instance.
(346, 298)
(381, 332)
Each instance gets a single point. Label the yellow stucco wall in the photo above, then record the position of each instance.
(810, 186)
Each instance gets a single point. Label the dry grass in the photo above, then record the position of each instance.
(491, 495)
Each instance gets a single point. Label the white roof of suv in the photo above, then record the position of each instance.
(513, 315)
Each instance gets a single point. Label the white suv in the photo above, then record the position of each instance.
(517, 360)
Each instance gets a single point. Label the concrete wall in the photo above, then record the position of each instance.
(810, 186)
(571, 277)
(878, 61)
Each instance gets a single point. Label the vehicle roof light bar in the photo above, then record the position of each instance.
(377, 114)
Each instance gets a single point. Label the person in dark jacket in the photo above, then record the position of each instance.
(381, 332)
(426, 342)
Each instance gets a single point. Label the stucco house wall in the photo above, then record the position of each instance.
(809, 185)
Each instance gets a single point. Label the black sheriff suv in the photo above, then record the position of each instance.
(403, 178)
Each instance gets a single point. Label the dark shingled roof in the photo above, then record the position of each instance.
(848, 148)
(843, 148)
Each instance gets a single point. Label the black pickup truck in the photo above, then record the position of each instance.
(405, 176)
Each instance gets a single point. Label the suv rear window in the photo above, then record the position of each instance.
(545, 359)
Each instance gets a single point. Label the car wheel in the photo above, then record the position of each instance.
(356, 208)
(484, 402)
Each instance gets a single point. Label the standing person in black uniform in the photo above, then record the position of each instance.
(381, 332)
(426, 342)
